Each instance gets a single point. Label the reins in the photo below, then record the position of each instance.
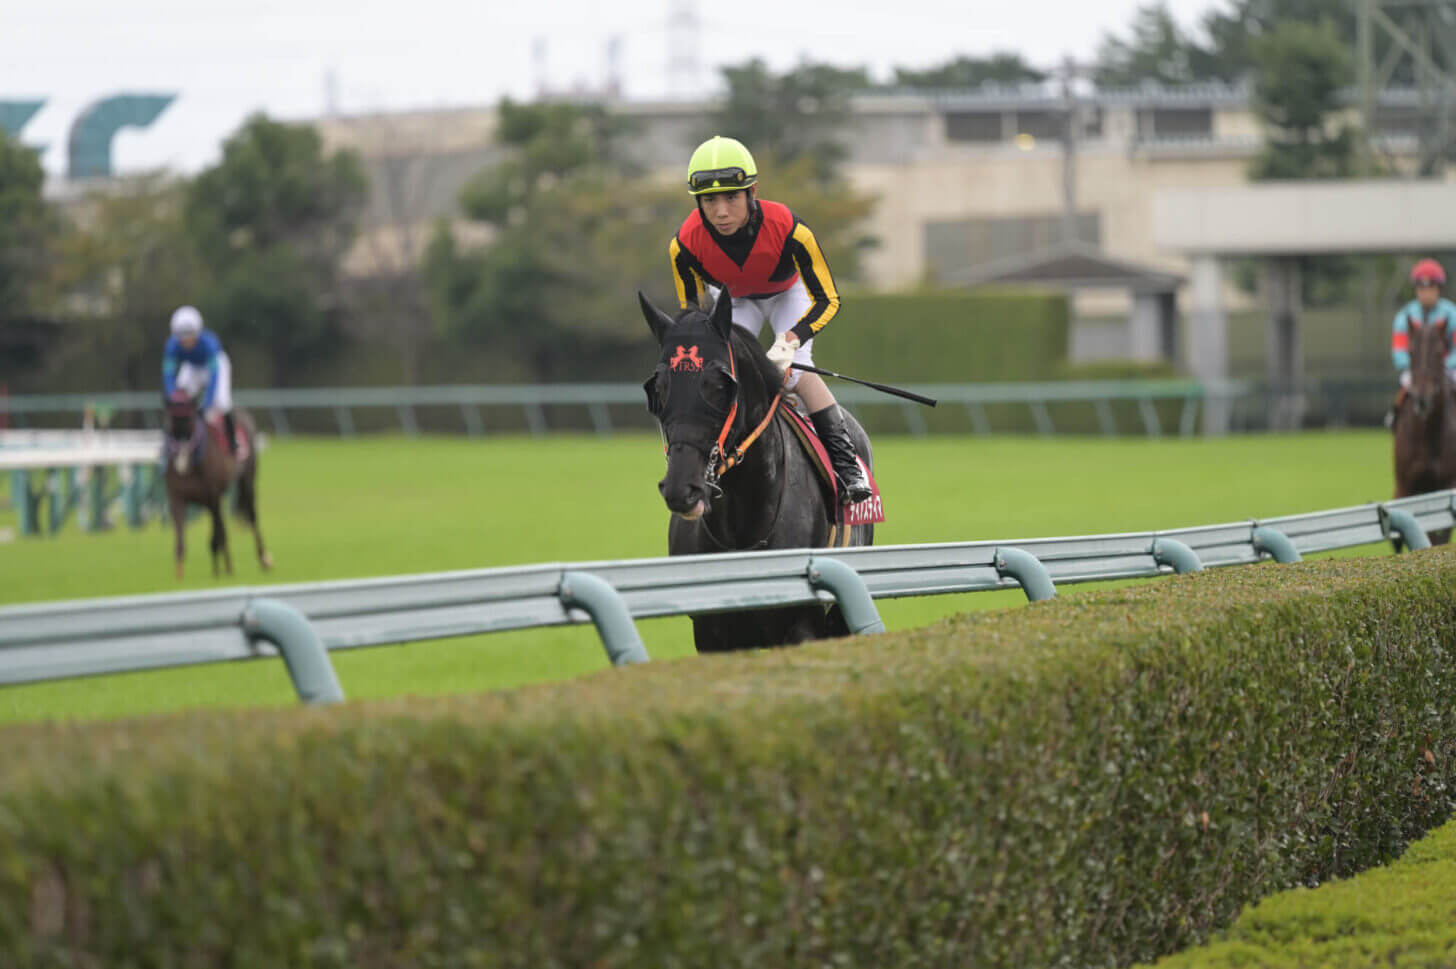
(720, 462)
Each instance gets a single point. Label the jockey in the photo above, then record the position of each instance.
(194, 360)
(1429, 306)
(773, 269)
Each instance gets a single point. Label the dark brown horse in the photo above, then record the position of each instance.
(1425, 426)
(199, 471)
(713, 381)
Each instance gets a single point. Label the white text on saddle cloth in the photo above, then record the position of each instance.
(870, 511)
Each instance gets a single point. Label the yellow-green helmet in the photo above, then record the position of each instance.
(720, 165)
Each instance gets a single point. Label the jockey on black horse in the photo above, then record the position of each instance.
(768, 261)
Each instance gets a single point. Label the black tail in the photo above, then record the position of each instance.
(245, 501)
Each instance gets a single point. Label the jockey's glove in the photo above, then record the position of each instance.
(781, 354)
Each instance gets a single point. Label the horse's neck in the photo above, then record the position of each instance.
(752, 491)
(1440, 422)
(1443, 410)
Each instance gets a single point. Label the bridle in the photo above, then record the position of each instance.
(720, 459)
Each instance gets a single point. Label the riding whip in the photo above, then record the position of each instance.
(884, 388)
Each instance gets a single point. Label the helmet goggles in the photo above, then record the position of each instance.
(719, 179)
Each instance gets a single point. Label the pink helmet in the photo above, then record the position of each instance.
(1428, 272)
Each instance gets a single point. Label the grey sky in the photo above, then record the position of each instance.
(225, 59)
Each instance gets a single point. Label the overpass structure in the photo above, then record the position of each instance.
(1277, 223)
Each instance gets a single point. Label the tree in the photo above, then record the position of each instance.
(1223, 50)
(801, 113)
(547, 142)
(1156, 50)
(572, 233)
(1002, 67)
(124, 268)
(27, 231)
(272, 221)
(574, 229)
(1235, 33)
(1301, 69)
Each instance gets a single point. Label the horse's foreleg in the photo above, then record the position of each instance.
(177, 508)
(264, 559)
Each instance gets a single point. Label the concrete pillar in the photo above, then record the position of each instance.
(1144, 337)
(1208, 358)
(1285, 355)
(1168, 346)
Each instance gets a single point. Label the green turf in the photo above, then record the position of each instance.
(336, 508)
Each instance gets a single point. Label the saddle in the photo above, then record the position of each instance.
(218, 437)
(867, 512)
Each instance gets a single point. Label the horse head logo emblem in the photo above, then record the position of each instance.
(686, 358)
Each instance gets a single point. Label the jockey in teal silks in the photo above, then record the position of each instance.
(1429, 306)
(194, 361)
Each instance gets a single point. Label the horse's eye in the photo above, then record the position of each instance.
(719, 388)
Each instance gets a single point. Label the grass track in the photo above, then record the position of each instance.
(336, 508)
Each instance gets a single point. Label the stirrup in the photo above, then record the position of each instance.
(854, 490)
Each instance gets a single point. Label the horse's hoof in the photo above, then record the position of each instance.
(179, 572)
(266, 561)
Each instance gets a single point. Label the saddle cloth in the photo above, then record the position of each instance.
(218, 433)
(867, 512)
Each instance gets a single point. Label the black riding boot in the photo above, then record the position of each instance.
(830, 426)
(232, 432)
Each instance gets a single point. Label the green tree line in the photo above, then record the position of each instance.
(564, 227)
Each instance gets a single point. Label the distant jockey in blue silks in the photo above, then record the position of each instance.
(195, 361)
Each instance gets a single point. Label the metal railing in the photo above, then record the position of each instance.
(303, 622)
(55, 473)
(531, 404)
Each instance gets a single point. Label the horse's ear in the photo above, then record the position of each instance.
(722, 316)
(656, 318)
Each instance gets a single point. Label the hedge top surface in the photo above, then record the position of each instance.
(983, 654)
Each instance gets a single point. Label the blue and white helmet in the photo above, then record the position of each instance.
(186, 321)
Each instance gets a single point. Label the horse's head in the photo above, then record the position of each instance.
(693, 393)
(1430, 343)
(181, 411)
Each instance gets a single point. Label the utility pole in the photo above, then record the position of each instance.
(1070, 133)
(1364, 39)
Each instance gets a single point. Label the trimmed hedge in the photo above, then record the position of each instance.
(1089, 781)
(952, 336)
(1404, 915)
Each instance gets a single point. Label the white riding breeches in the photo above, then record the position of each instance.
(194, 381)
(781, 311)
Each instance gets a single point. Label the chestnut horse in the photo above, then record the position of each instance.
(1425, 424)
(199, 471)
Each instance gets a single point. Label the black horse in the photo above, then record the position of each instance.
(737, 479)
